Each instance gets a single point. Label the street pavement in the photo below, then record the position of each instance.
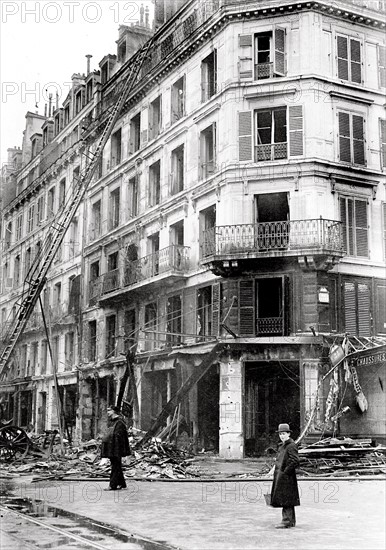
(227, 515)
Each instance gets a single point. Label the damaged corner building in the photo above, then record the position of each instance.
(225, 174)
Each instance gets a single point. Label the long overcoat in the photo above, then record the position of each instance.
(115, 443)
(284, 492)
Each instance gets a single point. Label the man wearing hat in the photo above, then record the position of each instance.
(115, 445)
(284, 492)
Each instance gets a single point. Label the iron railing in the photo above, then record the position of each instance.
(174, 258)
(110, 281)
(263, 70)
(271, 151)
(293, 235)
(270, 325)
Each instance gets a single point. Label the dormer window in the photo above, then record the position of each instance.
(122, 51)
(89, 90)
(34, 148)
(104, 73)
(57, 123)
(66, 115)
(78, 101)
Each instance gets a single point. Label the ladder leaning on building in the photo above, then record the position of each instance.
(42, 263)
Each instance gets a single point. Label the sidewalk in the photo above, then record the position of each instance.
(228, 515)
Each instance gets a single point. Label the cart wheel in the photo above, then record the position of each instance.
(14, 443)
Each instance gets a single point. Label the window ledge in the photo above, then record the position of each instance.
(258, 94)
(207, 112)
(347, 97)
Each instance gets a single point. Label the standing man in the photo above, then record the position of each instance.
(284, 492)
(115, 445)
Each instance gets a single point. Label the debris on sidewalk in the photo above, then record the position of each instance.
(342, 456)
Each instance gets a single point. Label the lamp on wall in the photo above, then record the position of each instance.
(323, 295)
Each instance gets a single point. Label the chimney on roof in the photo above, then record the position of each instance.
(141, 12)
(49, 104)
(89, 56)
(147, 17)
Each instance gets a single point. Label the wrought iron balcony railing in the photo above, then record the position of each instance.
(271, 151)
(174, 258)
(263, 70)
(110, 281)
(290, 237)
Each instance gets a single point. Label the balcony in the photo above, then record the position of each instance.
(295, 238)
(271, 151)
(163, 267)
(263, 70)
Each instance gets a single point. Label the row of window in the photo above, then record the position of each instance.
(32, 359)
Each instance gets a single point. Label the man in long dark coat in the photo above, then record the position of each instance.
(284, 492)
(115, 445)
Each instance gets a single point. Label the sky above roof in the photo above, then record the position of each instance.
(43, 43)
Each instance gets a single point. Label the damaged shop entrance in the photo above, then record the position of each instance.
(272, 395)
(193, 422)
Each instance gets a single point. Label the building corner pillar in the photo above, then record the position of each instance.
(231, 407)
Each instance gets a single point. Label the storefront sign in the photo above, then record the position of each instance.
(371, 359)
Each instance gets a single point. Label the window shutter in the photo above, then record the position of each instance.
(295, 115)
(279, 57)
(245, 58)
(245, 135)
(344, 137)
(358, 139)
(384, 226)
(355, 61)
(381, 308)
(364, 309)
(350, 316)
(214, 126)
(247, 308)
(131, 140)
(343, 219)
(382, 66)
(382, 131)
(361, 232)
(342, 49)
(216, 306)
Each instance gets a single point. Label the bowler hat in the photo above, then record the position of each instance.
(284, 428)
(115, 409)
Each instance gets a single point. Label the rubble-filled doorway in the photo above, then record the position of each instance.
(209, 409)
(272, 396)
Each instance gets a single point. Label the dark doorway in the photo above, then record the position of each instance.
(272, 396)
(208, 409)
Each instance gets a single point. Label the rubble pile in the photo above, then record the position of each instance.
(154, 460)
(341, 457)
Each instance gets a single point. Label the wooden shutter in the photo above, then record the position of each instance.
(382, 66)
(361, 230)
(364, 309)
(245, 57)
(382, 139)
(295, 116)
(347, 219)
(355, 61)
(358, 139)
(216, 307)
(74, 298)
(380, 308)
(350, 316)
(279, 61)
(342, 51)
(245, 135)
(344, 137)
(384, 227)
(247, 307)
